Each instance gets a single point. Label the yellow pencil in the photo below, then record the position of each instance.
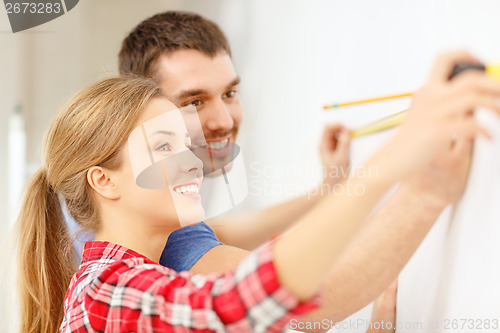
(380, 125)
(493, 70)
(368, 100)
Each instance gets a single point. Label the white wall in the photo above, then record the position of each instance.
(293, 56)
(9, 98)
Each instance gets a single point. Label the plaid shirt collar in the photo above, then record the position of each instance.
(99, 250)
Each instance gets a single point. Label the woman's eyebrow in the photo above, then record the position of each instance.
(164, 133)
(170, 133)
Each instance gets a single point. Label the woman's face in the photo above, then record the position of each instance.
(161, 176)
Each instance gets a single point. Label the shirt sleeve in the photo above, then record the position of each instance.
(185, 246)
(132, 296)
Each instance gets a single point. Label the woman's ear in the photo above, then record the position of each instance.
(101, 181)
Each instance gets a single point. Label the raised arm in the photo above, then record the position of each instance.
(389, 238)
(393, 233)
(441, 112)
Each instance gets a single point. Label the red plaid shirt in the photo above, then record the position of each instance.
(119, 290)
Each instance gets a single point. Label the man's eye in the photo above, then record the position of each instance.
(230, 93)
(194, 103)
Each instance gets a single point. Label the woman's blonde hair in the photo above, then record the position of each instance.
(89, 130)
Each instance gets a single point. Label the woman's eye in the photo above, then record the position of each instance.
(164, 147)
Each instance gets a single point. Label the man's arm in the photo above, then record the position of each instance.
(249, 230)
(390, 237)
(375, 257)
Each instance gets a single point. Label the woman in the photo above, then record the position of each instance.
(119, 285)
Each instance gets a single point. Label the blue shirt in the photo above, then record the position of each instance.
(187, 245)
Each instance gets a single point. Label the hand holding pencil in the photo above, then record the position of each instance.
(492, 70)
(442, 112)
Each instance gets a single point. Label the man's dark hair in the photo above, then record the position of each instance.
(166, 32)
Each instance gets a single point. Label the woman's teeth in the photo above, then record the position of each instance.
(218, 144)
(188, 189)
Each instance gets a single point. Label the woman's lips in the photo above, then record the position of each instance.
(189, 189)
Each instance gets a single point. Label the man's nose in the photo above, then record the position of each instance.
(219, 118)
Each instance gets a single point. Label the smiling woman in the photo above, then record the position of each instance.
(161, 157)
(119, 285)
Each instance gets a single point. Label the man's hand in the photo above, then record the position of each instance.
(334, 152)
(441, 110)
(384, 311)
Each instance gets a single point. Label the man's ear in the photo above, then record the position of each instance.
(101, 181)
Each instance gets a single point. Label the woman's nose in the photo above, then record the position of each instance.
(190, 163)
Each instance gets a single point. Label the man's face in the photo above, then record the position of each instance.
(190, 77)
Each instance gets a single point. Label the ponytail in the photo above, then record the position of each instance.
(89, 130)
(47, 259)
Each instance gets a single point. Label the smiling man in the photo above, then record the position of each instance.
(191, 58)
(211, 85)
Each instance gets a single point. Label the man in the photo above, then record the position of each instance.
(191, 58)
